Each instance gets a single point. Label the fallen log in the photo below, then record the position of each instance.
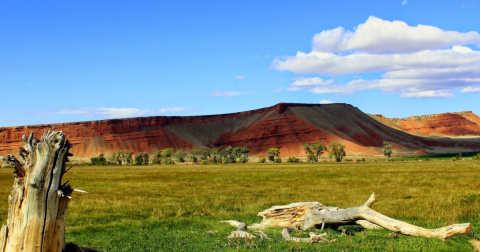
(306, 215)
(39, 200)
(365, 212)
(293, 215)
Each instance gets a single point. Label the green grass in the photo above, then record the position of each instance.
(447, 156)
(171, 208)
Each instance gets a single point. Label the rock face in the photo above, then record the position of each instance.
(285, 126)
(445, 125)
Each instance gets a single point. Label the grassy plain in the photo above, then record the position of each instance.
(171, 208)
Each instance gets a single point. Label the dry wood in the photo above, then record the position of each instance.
(365, 212)
(307, 215)
(38, 201)
(292, 216)
(314, 238)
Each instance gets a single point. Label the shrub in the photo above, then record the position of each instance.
(272, 153)
(100, 160)
(204, 162)
(262, 160)
(476, 157)
(293, 160)
(347, 160)
(454, 158)
(167, 161)
(243, 160)
(278, 160)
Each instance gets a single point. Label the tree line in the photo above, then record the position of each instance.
(228, 155)
(169, 156)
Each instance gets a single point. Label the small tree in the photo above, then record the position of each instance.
(157, 158)
(180, 156)
(122, 156)
(193, 156)
(113, 158)
(145, 158)
(309, 152)
(336, 150)
(204, 154)
(314, 151)
(129, 158)
(227, 155)
(138, 159)
(272, 153)
(215, 155)
(387, 150)
(241, 154)
(100, 160)
(168, 153)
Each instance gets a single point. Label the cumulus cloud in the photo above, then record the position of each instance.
(240, 77)
(382, 36)
(471, 89)
(325, 102)
(228, 93)
(428, 94)
(117, 112)
(412, 61)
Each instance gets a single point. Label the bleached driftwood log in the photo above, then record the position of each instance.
(365, 212)
(38, 201)
(306, 215)
(292, 216)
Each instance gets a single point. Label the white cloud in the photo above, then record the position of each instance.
(229, 93)
(404, 2)
(325, 102)
(240, 77)
(334, 64)
(471, 89)
(410, 60)
(117, 112)
(278, 89)
(428, 94)
(311, 82)
(294, 89)
(382, 36)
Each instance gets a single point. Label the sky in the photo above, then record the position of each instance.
(67, 61)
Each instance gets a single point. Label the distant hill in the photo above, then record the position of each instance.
(456, 124)
(286, 126)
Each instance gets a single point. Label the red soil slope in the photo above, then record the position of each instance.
(286, 126)
(446, 124)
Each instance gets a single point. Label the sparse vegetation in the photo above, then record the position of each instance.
(272, 153)
(387, 150)
(293, 160)
(100, 160)
(262, 160)
(314, 151)
(337, 151)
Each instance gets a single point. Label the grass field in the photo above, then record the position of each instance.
(171, 208)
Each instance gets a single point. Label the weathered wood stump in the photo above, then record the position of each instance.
(38, 202)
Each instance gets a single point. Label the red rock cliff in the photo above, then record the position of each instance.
(286, 126)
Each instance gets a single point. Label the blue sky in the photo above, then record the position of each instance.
(65, 61)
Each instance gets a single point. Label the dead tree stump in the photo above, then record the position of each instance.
(38, 203)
